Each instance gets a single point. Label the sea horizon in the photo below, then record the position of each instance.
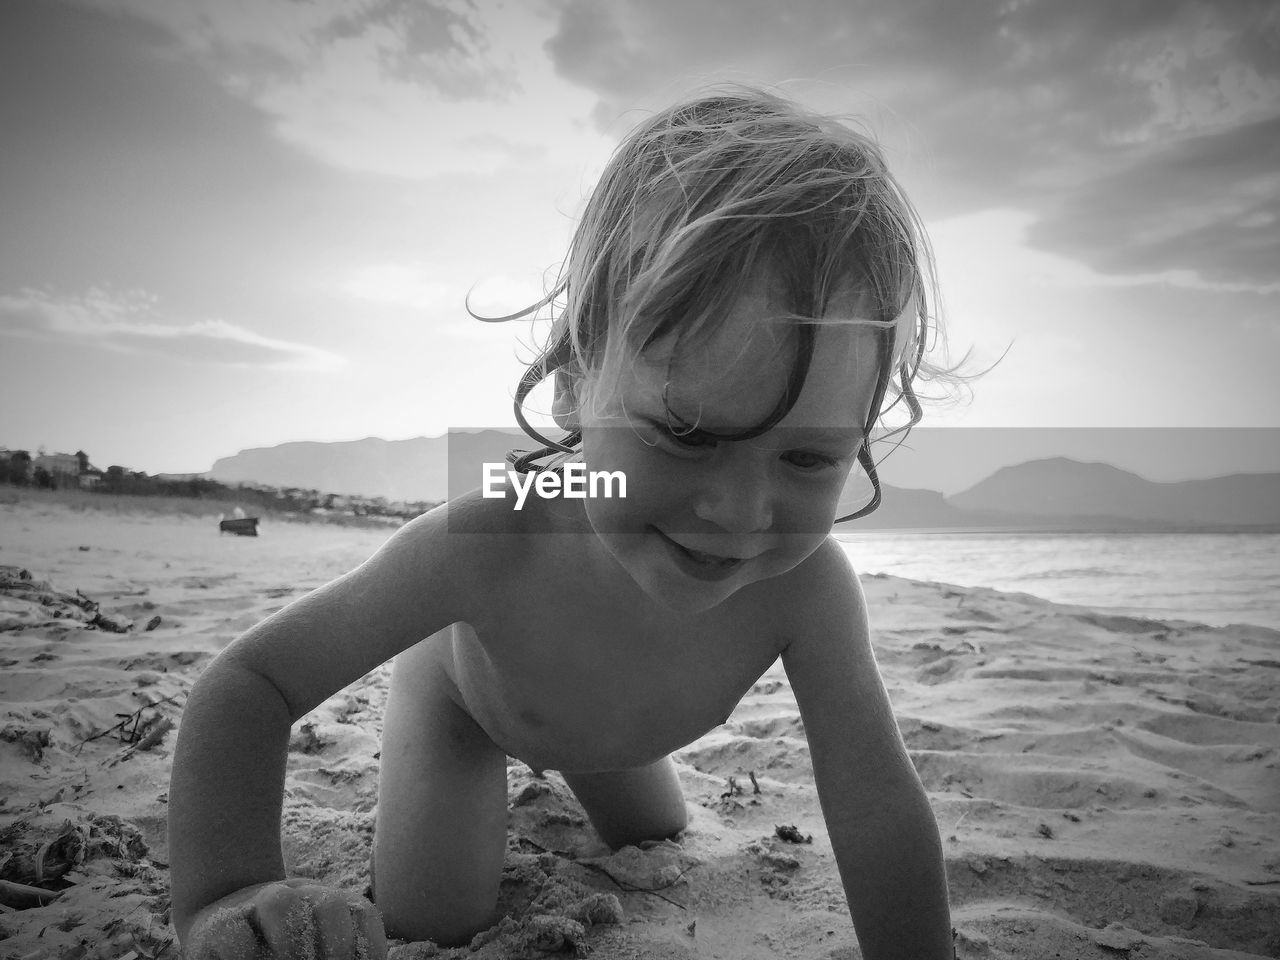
(1214, 578)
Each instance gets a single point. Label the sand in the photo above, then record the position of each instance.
(1105, 786)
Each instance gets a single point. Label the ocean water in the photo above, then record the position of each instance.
(1210, 578)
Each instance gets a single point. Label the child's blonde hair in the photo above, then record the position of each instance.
(707, 196)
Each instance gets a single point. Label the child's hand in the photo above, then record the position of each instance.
(287, 920)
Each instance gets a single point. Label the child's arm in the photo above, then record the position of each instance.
(229, 765)
(882, 829)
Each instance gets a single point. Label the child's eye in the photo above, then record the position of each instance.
(808, 460)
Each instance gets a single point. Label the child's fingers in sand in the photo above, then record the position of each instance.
(284, 915)
(290, 920)
(350, 927)
(335, 924)
(226, 936)
(304, 920)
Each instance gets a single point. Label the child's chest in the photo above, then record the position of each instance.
(601, 693)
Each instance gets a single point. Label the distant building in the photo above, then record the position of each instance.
(90, 476)
(17, 465)
(64, 468)
(68, 469)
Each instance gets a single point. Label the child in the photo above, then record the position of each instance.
(745, 287)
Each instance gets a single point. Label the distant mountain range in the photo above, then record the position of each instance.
(1056, 494)
(1060, 494)
(424, 468)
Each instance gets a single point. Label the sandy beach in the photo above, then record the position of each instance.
(1105, 786)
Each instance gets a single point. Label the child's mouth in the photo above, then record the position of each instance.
(710, 559)
(704, 566)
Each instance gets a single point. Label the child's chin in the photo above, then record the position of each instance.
(690, 597)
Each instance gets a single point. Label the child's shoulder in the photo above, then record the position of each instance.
(827, 568)
(473, 513)
(465, 535)
(824, 582)
(467, 525)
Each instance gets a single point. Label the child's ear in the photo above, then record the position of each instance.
(564, 408)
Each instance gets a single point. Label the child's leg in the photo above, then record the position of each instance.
(442, 810)
(629, 806)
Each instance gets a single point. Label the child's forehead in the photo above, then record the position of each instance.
(758, 325)
(735, 375)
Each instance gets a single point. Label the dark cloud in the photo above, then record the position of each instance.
(1209, 204)
(429, 43)
(1058, 108)
(124, 166)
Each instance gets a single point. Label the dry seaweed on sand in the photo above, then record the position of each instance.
(735, 789)
(40, 601)
(49, 860)
(791, 834)
(139, 732)
(628, 887)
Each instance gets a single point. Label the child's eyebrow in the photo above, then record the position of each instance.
(834, 436)
(827, 433)
(815, 434)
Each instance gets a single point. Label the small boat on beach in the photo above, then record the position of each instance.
(240, 526)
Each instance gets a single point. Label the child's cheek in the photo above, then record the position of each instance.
(652, 499)
(620, 450)
(806, 514)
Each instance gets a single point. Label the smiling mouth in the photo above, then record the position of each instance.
(712, 561)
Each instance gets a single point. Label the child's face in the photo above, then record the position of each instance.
(704, 518)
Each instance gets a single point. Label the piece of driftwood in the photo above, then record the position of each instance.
(21, 896)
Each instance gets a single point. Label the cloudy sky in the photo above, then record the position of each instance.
(227, 224)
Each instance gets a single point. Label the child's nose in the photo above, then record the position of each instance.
(737, 501)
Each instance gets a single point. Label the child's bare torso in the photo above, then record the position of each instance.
(566, 664)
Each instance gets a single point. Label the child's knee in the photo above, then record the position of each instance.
(672, 818)
(632, 806)
(666, 828)
(680, 821)
(651, 823)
